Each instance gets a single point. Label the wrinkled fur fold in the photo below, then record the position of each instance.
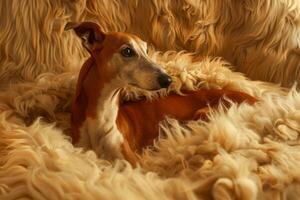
(260, 38)
(245, 152)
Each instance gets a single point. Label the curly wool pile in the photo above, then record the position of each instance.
(245, 152)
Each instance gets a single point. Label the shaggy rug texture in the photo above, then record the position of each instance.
(260, 38)
(244, 152)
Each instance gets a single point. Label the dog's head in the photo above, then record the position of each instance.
(121, 56)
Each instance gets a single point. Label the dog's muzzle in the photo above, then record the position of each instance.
(164, 80)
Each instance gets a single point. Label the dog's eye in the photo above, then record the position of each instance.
(127, 52)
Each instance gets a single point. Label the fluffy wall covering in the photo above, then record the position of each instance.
(261, 38)
(247, 152)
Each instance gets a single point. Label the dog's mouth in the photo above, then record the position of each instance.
(134, 85)
(162, 81)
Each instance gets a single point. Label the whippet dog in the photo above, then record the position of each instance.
(100, 119)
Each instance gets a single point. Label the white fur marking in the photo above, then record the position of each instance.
(102, 134)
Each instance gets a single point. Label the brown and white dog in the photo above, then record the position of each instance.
(116, 129)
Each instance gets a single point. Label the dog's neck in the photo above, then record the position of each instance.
(100, 131)
(108, 106)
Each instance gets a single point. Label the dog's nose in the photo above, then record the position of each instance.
(164, 80)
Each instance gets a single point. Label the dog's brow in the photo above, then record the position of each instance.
(135, 45)
(127, 44)
(141, 45)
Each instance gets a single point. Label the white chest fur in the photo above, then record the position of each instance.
(101, 133)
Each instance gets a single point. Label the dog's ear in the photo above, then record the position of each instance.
(89, 32)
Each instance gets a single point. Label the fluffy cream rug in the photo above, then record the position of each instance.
(247, 152)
